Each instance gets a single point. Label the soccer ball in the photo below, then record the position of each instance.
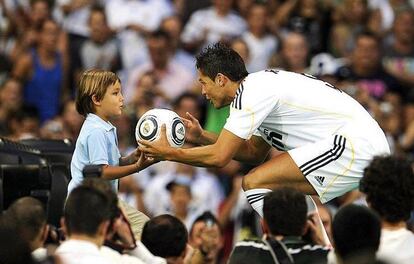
(149, 126)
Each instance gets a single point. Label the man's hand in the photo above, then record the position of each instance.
(193, 129)
(157, 150)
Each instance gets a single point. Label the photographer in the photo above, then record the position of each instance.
(27, 216)
(288, 229)
(206, 237)
(93, 220)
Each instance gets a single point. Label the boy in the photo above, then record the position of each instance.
(100, 99)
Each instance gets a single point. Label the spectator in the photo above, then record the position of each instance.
(174, 79)
(285, 223)
(356, 233)
(165, 236)
(173, 26)
(388, 183)
(365, 70)
(29, 218)
(11, 99)
(133, 20)
(43, 71)
(206, 191)
(100, 50)
(120, 236)
(86, 220)
(14, 249)
(352, 18)
(180, 197)
(399, 52)
(307, 17)
(294, 54)
(206, 236)
(261, 44)
(213, 24)
(24, 124)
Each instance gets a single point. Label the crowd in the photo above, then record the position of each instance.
(364, 47)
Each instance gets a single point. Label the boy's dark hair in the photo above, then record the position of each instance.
(356, 230)
(219, 58)
(388, 183)
(85, 209)
(165, 236)
(29, 217)
(285, 212)
(93, 82)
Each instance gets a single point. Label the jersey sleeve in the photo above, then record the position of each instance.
(252, 104)
(97, 147)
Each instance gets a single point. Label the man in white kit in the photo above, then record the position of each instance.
(327, 137)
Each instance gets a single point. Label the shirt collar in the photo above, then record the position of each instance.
(96, 119)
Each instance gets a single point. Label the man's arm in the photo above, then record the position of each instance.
(253, 151)
(227, 147)
(215, 155)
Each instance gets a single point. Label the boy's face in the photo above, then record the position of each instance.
(112, 103)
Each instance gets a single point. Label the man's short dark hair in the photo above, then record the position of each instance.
(356, 230)
(285, 212)
(219, 58)
(388, 183)
(29, 217)
(105, 188)
(165, 236)
(85, 209)
(13, 248)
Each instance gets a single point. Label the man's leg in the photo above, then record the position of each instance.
(280, 171)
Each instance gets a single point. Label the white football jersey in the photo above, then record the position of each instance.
(289, 110)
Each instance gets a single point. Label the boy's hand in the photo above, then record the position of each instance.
(144, 161)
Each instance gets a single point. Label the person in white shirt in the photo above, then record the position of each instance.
(209, 25)
(207, 193)
(261, 44)
(89, 221)
(325, 136)
(174, 79)
(388, 183)
(86, 220)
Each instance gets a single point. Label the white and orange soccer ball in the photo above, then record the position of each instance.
(149, 126)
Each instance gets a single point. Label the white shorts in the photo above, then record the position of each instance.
(335, 165)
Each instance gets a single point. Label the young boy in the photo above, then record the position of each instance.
(100, 99)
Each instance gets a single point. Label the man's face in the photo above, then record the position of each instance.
(211, 90)
(366, 52)
(158, 50)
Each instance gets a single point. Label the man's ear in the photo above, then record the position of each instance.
(95, 100)
(220, 79)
